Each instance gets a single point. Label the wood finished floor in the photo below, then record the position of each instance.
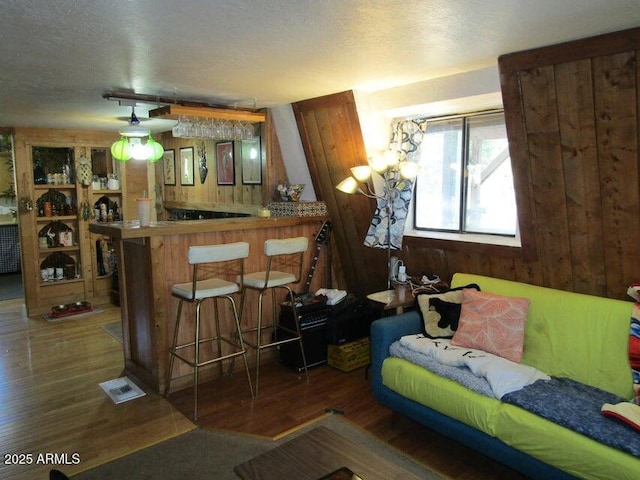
(50, 402)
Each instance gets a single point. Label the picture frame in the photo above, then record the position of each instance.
(169, 167)
(251, 155)
(225, 164)
(187, 176)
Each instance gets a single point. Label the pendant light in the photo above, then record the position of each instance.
(131, 143)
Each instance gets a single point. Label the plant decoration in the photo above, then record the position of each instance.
(290, 192)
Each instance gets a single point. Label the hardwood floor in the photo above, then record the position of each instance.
(50, 402)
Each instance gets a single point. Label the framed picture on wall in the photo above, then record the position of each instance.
(251, 162)
(186, 166)
(225, 168)
(169, 162)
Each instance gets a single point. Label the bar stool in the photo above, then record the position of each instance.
(212, 260)
(284, 267)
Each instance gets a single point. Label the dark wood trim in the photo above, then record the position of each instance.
(584, 48)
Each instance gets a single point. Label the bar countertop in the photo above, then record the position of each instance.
(132, 229)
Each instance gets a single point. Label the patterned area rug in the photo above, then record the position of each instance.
(11, 286)
(212, 454)
(114, 329)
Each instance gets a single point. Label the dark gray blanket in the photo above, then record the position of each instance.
(577, 407)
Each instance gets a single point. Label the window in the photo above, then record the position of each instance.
(465, 184)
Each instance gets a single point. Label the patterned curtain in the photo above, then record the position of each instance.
(406, 137)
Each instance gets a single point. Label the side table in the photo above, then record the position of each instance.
(398, 298)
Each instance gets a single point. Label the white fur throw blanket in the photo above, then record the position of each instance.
(503, 376)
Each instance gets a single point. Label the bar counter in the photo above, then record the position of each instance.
(152, 259)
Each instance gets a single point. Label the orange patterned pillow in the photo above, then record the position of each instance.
(492, 323)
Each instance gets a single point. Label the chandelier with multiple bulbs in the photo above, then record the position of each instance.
(132, 146)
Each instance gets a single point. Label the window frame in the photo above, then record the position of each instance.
(460, 236)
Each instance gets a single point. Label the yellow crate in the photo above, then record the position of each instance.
(349, 356)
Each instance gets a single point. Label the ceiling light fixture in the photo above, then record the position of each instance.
(131, 143)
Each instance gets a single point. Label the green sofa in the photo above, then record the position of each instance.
(571, 335)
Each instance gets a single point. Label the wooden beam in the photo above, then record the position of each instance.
(173, 112)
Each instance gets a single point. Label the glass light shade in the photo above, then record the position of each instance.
(409, 170)
(362, 173)
(348, 185)
(121, 150)
(139, 150)
(156, 149)
(379, 164)
(391, 158)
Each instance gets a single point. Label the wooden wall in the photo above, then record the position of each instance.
(572, 121)
(332, 140)
(211, 196)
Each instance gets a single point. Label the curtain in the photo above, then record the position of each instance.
(406, 137)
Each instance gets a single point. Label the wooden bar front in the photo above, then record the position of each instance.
(152, 259)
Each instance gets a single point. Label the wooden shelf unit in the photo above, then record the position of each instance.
(41, 296)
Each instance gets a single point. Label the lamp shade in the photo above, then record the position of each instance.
(348, 185)
(378, 163)
(121, 150)
(156, 149)
(362, 173)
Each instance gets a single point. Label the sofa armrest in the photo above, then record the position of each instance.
(384, 332)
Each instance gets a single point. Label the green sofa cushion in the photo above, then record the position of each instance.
(442, 394)
(563, 448)
(572, 335)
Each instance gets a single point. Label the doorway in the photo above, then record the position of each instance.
(11, 282)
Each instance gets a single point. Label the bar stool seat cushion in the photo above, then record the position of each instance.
(213, 287)
(276, 279)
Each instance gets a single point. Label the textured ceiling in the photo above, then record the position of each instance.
(57, 57)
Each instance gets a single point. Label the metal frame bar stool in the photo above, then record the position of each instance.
(286, 254)
(209, 262)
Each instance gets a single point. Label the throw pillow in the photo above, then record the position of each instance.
(440, 311)
(492, 323)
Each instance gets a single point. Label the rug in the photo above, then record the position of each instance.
(51, 319)
(114, 329)
(212, 454)
(11, 286)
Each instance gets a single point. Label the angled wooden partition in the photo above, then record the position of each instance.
(332, 139)
(572, 120)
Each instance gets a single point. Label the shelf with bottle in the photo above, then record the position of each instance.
(53, 166)
(57, 235)
(106, 209)
(105, 257)
(54, 203)
(59, 267)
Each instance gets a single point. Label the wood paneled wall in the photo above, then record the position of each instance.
(332, 140)
(572, 122)
(211, 196)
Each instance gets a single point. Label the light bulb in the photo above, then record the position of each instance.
(391, 158)
(139, 150)
(379, 164)
(409, 170)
